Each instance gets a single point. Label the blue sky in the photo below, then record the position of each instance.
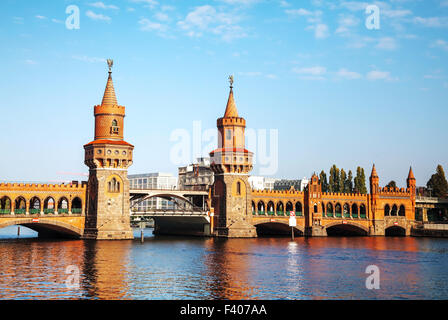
(336, 91)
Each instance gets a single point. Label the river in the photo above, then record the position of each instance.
(208, 268)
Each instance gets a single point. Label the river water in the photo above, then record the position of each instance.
(207, 268)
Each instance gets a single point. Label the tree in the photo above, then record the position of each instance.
(333, 185)
(360, 181)
(342, 181)
(323, 181)
(392, 184)
(438, 183)
(348, 185)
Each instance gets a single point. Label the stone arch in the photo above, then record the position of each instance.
(387, 210)
(329, 209)
(349, 228)
(5, 205)
(270, 207)
(76, 205)
(63, 205)
(395, 231)
(394, 211)
(46, 226)
(289, 207)
(19, 205)
(354, 210)
(49, 205)
(362, 211)
(35, 205)
(338, 210)
(402, 211)
(266, 227)
(280, 208)
(299, 208)
(261, 207)
(253, 208)
(346, 210)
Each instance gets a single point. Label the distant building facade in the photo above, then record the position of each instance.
(298, 184)
(196, 176)
(159, 180)
(262, 183)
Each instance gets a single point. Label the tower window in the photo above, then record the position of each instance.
(114, 128)
(228, 134)
(238, 188)
(114, 186)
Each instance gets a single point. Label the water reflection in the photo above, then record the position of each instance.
(197, 268)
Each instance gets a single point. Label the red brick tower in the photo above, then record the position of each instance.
(108, 158)
(231, 163)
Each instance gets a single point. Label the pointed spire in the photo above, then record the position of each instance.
(231, 110)
(374, 174)
(411, 174)
(109, 98)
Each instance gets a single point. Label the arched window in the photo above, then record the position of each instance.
(114, 186)
(402, 211)
(346, 210)
(114, 123)
(354, 211)
(114, 128)
(261, 207)
(394, 210)
(238, 188)
(338, 210)
(386, 210)
(299, 211)
(329, 209)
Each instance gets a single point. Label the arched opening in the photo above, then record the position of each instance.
(316, 208)
(362, 211)
(260, 208)
(63, 205)
(323, 209)
(346, 230)
(355, 211)
(402, 211)
(346, 210)
(114, 185)
(5, 205)
(238, 188)
(20, 206)
(76, 205)
(299, 210)
(395, 231)
(275, 229)
(254, 212)
(280, 209)
(270, 208)
(114, 123)
(338, 210)
(35, 205)
(49, 205)
(289, 208)
(330, 210)
(386, 210)
(394, 210)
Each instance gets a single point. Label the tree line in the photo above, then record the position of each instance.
(342, 182)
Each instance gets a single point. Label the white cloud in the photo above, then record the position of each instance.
(299, 12)
(147, 3)
(30, 62)
(311, 73)
(380, 75)
(320, 30)
(92, 15)
(434, 22)
(441, 44)
(240, 2)
(396, 13)
(346, 74)
(148, 25)
(284, 3)
(41, 17)
(162, 17)
(345, 23)
(56, 21)
(206, 19)
(102, 5)
(387, 43)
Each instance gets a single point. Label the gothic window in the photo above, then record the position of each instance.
(228, 134)
(114, 186)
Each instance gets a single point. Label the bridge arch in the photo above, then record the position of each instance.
(266, 227)
(394, 210)
(280, 207)
(346, 209)
(261, 207)
(289, 207)
(5, 203)
(395, 231)
(338, 210)
(299, 208)
(387, 210)
(46, 227)
(270, 207)
(329, 209)
(349, 228)
(355, 210)
(402, 211)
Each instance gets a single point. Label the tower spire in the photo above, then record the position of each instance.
(109, 98)
(231, 110)
(411, 174)
(374, 174)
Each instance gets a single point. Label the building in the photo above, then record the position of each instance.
(159, 180)
(283, 184)
(262, 183)
(197, 176)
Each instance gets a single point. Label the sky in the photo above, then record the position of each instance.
(335, 86)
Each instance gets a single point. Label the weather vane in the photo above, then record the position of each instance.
(231, 81)
(110, 63)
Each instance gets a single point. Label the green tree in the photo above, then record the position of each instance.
(360, 181)
(342, 181)
(438, 183)
(333, 185)
(323, 181)
(392, 184)
(348, 184)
